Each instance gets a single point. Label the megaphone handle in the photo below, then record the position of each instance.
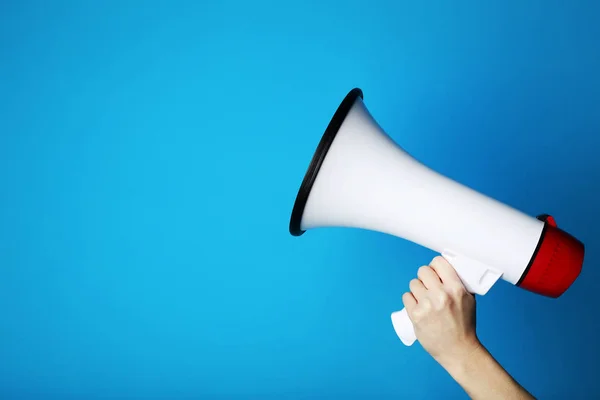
(477, 278)
(404, 327)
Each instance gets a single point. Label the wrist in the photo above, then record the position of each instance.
(481, 376)
(463, 358)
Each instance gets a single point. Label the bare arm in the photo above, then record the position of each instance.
(443, 314)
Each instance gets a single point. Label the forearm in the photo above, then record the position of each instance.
(482, 377)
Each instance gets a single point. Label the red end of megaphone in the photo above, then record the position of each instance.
(555, 264)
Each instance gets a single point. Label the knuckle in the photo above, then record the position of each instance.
(421, 311)
(413, 283)
(442, 300)
(425, 305)
(458, 290)
(417, 315)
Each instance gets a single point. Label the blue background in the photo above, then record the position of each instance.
(150, 155)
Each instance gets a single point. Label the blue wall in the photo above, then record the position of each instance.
(150, 154)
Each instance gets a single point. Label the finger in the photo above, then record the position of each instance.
(409, 301)
(429, 277)
(445, 271)
(417, 289)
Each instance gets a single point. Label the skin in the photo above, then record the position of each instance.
(443, 315)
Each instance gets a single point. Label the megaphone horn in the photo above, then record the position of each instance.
(360, 178)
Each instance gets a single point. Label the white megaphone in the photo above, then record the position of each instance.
(360, 178)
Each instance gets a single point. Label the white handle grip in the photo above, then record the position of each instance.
(404, 327)
(477, 277)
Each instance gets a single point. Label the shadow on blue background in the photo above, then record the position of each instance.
(150, 154)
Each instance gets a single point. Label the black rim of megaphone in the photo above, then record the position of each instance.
(318, 157)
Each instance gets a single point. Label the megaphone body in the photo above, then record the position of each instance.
(360, 178)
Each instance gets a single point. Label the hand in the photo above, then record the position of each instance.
(443, 315)
(442, 312)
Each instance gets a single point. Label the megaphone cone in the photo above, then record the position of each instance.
(360, 178)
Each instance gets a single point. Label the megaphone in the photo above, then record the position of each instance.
(360, 178)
